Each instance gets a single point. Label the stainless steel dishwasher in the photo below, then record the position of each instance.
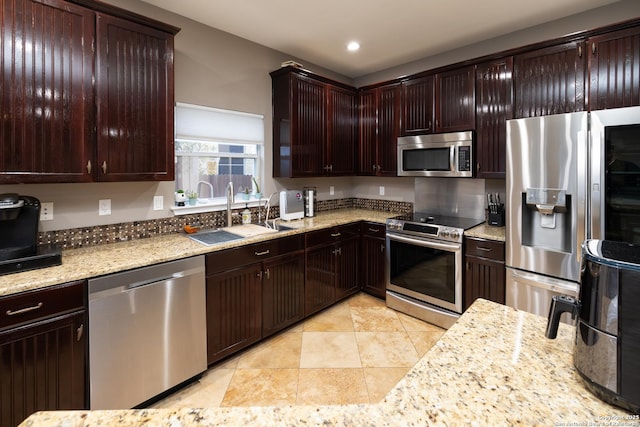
(147, 332)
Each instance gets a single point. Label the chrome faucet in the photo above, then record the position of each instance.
(268, 208)
(210, 188)
(229, 191)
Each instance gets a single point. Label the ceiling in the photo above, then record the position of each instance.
(390, 32)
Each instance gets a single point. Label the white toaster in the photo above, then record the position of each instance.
(291, 205)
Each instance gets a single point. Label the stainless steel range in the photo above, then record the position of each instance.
(424, 266)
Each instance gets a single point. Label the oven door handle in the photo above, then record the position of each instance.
(450, 247)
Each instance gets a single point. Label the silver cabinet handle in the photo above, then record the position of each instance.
(79, 332)
(482, 248)
(24, 310)
(267, 273)
(89, 167)
(336, 234)
(382, 247)
(374, 230)
(104, 166)
(262, 253)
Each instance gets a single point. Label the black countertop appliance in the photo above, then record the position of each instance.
(608, 328)
(19, 250)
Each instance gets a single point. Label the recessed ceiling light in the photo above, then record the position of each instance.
(353, 46)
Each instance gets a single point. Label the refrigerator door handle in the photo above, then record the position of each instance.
(582, 187)
(546, 283)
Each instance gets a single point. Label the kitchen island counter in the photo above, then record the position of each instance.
(492, 367)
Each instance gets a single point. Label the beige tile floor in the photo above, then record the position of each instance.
(353, 352)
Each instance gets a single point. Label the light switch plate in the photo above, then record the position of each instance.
(332, 190)
(382, 190)
(46, 211)
(158, 201)
(104, 207)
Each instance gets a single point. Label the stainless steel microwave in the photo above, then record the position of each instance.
(440, 155)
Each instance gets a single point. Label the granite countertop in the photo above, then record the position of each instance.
(486, 231)
(492, 367)
(99, 260)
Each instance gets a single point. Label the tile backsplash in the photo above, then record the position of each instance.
(102, 234)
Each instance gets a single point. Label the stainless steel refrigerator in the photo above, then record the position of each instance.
(569, 177)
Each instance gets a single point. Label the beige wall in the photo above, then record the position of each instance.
(220, 70)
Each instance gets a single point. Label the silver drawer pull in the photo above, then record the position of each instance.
(335, 234)
(24, 310)
(262, 253)
(374, 230)
(481, 248)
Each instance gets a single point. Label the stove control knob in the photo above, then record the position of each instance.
(455, 235)
(444, 232)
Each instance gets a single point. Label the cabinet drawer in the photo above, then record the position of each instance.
(373, 229)
(244, 255)
(330, 235)
(33, 305)
(484, 248)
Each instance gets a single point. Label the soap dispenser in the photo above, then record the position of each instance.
(246, 215)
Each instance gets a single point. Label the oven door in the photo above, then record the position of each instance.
(425, 269)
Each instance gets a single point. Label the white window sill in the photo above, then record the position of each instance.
(215, 204)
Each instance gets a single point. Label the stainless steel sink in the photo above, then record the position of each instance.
(278, 226)
(214, 237)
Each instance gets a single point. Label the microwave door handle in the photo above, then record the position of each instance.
(452, 159)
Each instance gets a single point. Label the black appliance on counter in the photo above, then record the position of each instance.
(608, 328)
(19, 250)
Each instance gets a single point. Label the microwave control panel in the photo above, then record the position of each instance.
(464, 159)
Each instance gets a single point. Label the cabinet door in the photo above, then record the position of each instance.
(341, 131)
(234, 311)
(455, 100)
(494, 106)
(484, 278)
(372, 265)
(418, 99)
(549, 81)
(389, 121)
(282, 292)
(42, 367)
(368, 135)
(308, 127)
(134, 90)
(614, 69)
(320, 279)
(347, 266)
(46, 101)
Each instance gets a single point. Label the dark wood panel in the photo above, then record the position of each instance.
(484, 278)
(373, 264)
(282, 292)
(494, 106)
(455, 100)
(614, 66)
(389, 125)
(134, 89)
(484, 248)
(549, 81)
(347, 267)
(331, 235)
(308, 121)
(418, 101)
(342, 132)
(47, 96)
(234, 311)
(320, 278)
(368, 132)
(42, 367)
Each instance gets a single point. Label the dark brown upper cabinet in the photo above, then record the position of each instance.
(418, 110)
(455, 100)
(134, 68)
(550, 80)
(380, 123)
(494, 106)
(314, 125)
(614, 69)
(47, 95)
(54, 129)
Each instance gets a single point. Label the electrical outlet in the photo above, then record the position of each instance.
(157, 203)
(104, 207)
(332, 190)
(46, 211)
(382, 190)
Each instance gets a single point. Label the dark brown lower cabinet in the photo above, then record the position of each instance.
(42, 353)
(253, 291)
(373, 259)
(484, 275)
(332, 263)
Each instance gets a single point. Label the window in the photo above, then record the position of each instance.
(214, 147)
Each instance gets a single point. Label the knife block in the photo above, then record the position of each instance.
(497, 218)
